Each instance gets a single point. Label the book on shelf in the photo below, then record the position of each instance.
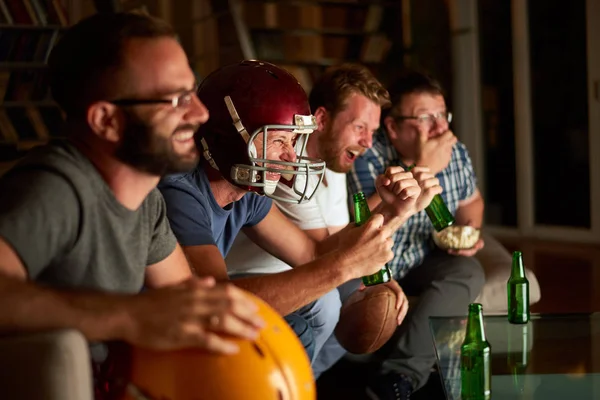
(28, 31)
(33, 12)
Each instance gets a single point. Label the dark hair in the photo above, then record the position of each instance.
(337, 83)
(412, 81)
(86, 55)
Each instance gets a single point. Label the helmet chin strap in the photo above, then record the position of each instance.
(239, 127)
(207, 155)
(270, 186)
(237, 122)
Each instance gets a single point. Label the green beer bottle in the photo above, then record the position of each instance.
(361, 215)
(437, 211)
(518, 291)
(475, 358)
(518, 355)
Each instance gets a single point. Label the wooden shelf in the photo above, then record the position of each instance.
(29, 103)
(22, 65)
(324, 62)
(33, 27)
(341, 3)
(28, 144)
(313, 31)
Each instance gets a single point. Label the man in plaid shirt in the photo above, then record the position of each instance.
(416, 130)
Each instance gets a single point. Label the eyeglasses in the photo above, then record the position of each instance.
(429, 119)
(181, 101)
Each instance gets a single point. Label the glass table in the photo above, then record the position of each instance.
(550, 357)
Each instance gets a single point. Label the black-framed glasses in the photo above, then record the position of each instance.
(428, 119)
(181, 101)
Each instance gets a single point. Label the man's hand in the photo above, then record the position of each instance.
(196, 313)
(365, 249)
(399, 192)
(401, 300)
(430, 186)
(435, 152)
(396, 189)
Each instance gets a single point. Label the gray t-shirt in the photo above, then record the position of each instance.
(70, 231)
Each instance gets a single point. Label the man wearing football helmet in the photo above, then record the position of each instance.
(259, 125)
(346, 101)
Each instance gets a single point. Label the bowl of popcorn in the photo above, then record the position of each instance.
(456, 237)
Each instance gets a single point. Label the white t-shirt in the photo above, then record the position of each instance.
(327, 208)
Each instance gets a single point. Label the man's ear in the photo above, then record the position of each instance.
(391, 127)
(105, 120)
(322, 117)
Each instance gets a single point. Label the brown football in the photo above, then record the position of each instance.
(368, 319)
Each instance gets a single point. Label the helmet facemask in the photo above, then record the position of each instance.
(296, 174)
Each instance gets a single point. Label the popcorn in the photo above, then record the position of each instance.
(456, 237)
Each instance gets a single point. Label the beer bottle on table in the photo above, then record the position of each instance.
(518, 355)
(475, 358)
(361, 215)
(518, 291)
(437, 211)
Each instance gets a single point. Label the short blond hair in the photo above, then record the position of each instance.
(338, 83)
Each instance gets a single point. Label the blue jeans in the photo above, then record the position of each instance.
(304, 332)
(321, 317)
(299, 324)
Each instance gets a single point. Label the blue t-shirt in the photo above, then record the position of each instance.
(197, 219)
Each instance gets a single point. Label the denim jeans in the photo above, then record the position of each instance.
(304, 332)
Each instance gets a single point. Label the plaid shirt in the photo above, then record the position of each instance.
(412, 242)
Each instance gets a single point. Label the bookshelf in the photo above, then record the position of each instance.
(307, 36)
(303, 36)
(28, 31)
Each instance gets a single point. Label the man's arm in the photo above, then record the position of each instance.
(284, 291)
(172, 270)
(34, 308)
(295, 247)
(365, 249)
(280, 237)
(368, 247)
(169, 318)
(470, 211)
(207, 260)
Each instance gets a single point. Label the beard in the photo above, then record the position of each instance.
(332, 153)
(147, 151)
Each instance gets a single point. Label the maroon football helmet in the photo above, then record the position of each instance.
(248, 99)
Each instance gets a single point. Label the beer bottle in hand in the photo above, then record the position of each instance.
(361, 215)
(475, 358)
(437, 211)
(518, 291)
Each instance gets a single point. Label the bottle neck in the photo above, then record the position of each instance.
(518, 269)
(475, 330)
(361, 209)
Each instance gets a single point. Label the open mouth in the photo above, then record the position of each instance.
(352, 154)
(272, 176)
(184, 136)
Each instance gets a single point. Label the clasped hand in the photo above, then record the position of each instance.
(406, 193)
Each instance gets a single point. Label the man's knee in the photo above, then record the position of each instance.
(469, 272)
(324, 313)
(303, 331)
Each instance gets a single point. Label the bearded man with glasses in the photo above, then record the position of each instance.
(83, 228)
